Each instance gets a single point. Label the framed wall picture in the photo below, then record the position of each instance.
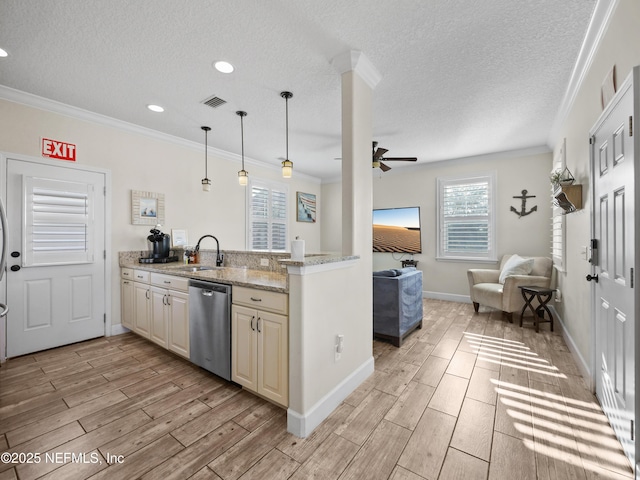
(306, 207)
(179, 238)
(147, 208)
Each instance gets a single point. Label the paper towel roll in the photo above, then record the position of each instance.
(297, 250)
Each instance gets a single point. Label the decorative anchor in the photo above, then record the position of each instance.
(523, 210)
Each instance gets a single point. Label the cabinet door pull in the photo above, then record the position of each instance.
(146, 294)
(256, 299)
(168, 282)
(168, 299)
(252, 319)
(258, 324)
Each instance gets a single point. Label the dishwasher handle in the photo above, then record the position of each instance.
(207, 293)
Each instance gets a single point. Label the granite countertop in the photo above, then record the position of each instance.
(244, 277)
(319, 259)
(274, 279)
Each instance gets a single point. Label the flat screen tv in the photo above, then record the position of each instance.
(397, 230)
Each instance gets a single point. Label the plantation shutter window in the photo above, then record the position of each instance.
(558, 218)
(466, 218)
(268, 222)
(58, 222)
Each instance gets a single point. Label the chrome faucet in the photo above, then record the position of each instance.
(219, 256)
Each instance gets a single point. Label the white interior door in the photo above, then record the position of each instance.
(614, 210)
(56, 264)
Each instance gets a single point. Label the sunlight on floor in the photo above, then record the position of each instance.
(569, 433)
(510, 353)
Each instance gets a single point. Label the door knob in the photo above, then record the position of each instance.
(592, 277)
(15, 268)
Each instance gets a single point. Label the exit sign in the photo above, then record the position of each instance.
(59, 150)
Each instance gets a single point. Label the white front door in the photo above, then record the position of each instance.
(55, 262)
(613, 294)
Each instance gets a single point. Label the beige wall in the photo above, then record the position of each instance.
(140, 162)
(620, 46)
(416, 186)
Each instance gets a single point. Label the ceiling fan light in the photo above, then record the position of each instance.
(243, 177)
(375, 164)
(206, 185)
(287, 168)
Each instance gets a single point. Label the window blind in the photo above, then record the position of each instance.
(268, 207)
(466, 217)
(558, 219)
(58, 222)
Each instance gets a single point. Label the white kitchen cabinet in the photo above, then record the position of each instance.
(170, 312)
(126, 297)
(142, 309)
(156, 306)
(244, 347)
(159, 316)
(178, 323)
(260, 343)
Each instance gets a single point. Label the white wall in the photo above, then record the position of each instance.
(140, 162)
(620, 46)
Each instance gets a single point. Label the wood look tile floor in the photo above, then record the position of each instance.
(469, 396)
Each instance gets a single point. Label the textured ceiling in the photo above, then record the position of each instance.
(459, 78)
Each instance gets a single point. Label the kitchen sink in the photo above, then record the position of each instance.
(195, 268)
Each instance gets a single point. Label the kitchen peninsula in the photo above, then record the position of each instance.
(317, 309)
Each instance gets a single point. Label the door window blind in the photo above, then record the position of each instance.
(58, 222)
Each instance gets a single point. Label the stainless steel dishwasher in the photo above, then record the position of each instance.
(210, 326)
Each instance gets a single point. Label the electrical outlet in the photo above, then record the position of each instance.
(339, 346)
(264, 262)
(558, 295)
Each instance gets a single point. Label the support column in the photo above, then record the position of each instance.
(359, 78)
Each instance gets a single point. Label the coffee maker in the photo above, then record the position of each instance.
(159, 244)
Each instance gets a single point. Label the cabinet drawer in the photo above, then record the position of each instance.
(169, 281)
(126, 273)
(141, 276)
(261, 299)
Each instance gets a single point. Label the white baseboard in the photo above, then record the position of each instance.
(582, 365)
(301, 425)
(449, 297)
(118, 329)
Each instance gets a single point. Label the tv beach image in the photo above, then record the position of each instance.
(396, 230)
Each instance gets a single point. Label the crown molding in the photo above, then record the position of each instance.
(356, 61)
(598, 25)
(41, 103)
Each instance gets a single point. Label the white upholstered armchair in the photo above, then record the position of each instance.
(499, 288)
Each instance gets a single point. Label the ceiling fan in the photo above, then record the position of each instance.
(378, 156)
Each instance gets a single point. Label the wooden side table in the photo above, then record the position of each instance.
(543, 296)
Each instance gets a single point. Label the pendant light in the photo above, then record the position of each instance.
(243, 175)
(287, 165)
(206, 183)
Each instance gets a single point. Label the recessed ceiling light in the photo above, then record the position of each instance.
(223, 67)
(155, 108)
(3, 53)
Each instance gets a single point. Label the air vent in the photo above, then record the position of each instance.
(214, 102)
